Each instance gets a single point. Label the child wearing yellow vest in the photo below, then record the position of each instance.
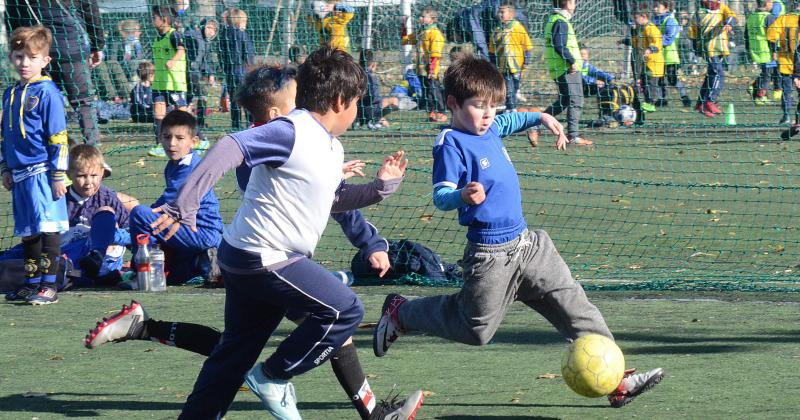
(169, 82)
(331, 19)
(509, 48)
(430, 45)
(785, 34)
(646, 42)
(760, 50)
(709, 32)
(670, 39)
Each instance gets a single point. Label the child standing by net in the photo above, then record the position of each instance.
(330, 19)
(785, 34)
(647, 45)
(509, 49)
(709, 30)
(34, 161)
(236, 52)
(564, 64)
(169, 82)
(430, 44)
(503, 261)
(670, 40)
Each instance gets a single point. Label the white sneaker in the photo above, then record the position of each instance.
(127, 324)
(277, 395)
(521, 98)
(157, 151)
(388, 329)
(405, 103)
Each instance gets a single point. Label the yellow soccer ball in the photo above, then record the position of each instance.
(593, 366)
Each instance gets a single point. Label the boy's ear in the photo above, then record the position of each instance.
(339, 105)
(195, 141)
(451, 102)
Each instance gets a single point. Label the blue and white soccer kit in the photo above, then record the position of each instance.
(35, 151)
(265, 260)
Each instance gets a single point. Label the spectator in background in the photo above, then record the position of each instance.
(169, 82)
(198, 50)
(509, 50)
(373, 107)
(72, 23)
(330, 18)
(141, 98)
(131, 51)
(670, 36)
(235, 54)
(709, 31)
(430, 44)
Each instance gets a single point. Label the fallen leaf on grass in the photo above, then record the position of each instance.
(548, 376)
(368, 325)
(514, 400)
(56, 357)
(703, 254)
(426, 217)
(428, 393)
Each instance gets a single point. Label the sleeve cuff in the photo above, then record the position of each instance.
(58, 175)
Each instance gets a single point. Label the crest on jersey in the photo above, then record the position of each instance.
(485, 163)
(31, 102)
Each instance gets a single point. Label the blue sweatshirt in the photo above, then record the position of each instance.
(460, 158)
(175, 175)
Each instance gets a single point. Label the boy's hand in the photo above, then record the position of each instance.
(170, 64)
(394, 166)
(380, 262)
(8, 181)
(555, 127)
(796, 84)
(352, 168)
(95, 59)
(473, 193)
(646, 53)
(166, 223)
(58, 187)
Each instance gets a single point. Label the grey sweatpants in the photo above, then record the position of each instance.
(527, 269)
(570, 97)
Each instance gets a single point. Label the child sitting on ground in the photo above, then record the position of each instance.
(187, 254)
(373, 107)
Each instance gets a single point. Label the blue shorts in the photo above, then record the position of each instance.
(35, 211)
(170, 97)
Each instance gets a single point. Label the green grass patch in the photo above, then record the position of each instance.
(734, 357)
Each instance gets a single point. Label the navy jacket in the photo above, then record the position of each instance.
(72, 23)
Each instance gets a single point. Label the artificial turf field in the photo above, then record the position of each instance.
(679, 204)
(725, 356)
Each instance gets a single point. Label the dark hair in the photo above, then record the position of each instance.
(257, 92)
(470, 77)
(178, 118)
(326, 76)
(146, 70)
(668, 3)
(366, 58)
(560, 3)
(295, 51)
(164, 12)
(508, 3)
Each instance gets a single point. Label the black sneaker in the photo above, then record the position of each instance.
(90, 263)
(391, 409)
(21, 294)
(687, 103)
(44, 296)
(790, 132)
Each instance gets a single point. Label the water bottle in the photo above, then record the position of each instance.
(143, 262)
(158, 281)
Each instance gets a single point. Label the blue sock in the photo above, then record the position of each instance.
(33, 282)
(103, 230)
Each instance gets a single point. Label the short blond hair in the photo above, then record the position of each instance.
(237, 17)
(33, 39)
(85, 156)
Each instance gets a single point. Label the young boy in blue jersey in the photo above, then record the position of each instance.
(265, 255)
(187, 254)
(34, 161)
(503, 261)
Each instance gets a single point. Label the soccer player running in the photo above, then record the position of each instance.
(503, 261)
(267, 93)
(265, 260)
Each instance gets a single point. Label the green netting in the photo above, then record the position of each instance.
(684, 202)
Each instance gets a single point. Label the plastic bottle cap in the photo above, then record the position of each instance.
(142, 239)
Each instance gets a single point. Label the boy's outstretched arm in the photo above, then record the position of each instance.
(514, 122)
(222, 157)
(390, 175)
(364, 236)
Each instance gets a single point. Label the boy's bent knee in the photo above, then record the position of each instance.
(142, 216)
(479, 335)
